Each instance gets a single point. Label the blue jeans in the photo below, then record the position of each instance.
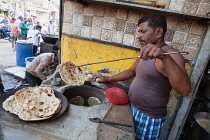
(4, 31)
(24, 36)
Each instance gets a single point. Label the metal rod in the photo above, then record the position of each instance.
(104, 62)
(181, 52)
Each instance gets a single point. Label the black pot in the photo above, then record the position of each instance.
(199, 131)
(51, 39)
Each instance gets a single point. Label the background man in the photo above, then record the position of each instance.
(18, 21)
(155, 76)
(50, 28)
(24, 29)
(13, 28)
(5, 27)
(36, 37)
(41, 63)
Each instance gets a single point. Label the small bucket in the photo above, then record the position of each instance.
(28, 60)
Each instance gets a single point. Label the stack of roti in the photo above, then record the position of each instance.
(74, 76)
(33, 103)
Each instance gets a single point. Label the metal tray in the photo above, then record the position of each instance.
(12, 118)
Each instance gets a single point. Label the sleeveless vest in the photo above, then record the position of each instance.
(150, 90)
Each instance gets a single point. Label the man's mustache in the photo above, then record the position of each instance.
(141, 40)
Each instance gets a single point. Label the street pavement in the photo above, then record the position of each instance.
(7, 59)
(7, 56)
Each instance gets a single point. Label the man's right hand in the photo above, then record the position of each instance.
(100, 78)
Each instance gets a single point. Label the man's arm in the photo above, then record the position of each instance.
(39, 69)
(124, 75)
(173, 66)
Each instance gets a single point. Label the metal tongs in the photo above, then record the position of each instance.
(113, 124)
(181, 52)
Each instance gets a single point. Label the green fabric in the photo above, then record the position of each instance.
(24, 28)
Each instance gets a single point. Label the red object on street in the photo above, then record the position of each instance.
(117, 95)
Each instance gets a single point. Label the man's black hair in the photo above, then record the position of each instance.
(155, 20)
(38, 26)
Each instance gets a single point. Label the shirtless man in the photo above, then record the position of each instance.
(155, 76)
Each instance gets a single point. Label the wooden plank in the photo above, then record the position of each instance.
(195, 78)
(119, 114)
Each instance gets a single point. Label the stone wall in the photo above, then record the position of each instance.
(119, 25)
(115, 24)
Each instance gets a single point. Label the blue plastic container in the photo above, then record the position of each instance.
(24, 49)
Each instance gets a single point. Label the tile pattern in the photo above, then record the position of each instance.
(87, 20)
(98, 21)
(122, 14)
(180, 38)
(117, 37)
(184, 25)
(108, 23)
(78, 8)
(86, 31)
(77, 19)
(120, 25)
(190, 7)
(131, 28)
(176, 5)
(96, 33)
(67, 28)
(106, 35)
(172, 22)
(193, 40)
(110, 12)
(133, 16)
(197, 28)
(99, 10)
(128, 39)
(89, 9)
(203, 9)
(76, 30)
(169, 35)
(68, 6)
(68, 17)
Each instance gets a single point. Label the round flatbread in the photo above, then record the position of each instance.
(33, 103)
(43, 105)
(28, 116)
(7, 104)
(74, 76)
(93, 101)
(78, 100)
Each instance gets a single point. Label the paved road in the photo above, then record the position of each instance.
(7, 59)
(7, 56)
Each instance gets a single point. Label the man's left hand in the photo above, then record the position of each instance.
(151, 51)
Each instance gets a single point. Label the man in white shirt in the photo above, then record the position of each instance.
(50, 28)
(36, 38)
(18, 21)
